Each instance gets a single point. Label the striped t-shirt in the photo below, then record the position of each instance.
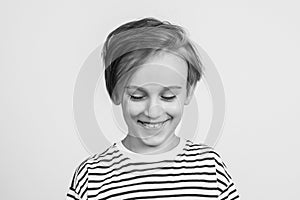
(188, 171)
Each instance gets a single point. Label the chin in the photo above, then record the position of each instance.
(154, 140)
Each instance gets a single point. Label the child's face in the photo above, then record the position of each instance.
(154, 98)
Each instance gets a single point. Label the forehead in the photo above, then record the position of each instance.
(164, 69)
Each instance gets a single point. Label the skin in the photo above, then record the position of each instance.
(148, 97)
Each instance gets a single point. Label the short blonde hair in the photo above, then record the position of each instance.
(131, 44)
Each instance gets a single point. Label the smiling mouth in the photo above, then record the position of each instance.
(149, 125)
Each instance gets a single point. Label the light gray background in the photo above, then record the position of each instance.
(254, 44)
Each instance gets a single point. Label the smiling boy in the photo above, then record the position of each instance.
(153, 102)
(152, 69)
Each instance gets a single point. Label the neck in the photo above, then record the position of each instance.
(140, 146)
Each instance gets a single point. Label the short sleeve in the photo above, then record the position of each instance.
(78, 185)
(225, 183)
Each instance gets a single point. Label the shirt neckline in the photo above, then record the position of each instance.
(171, 154)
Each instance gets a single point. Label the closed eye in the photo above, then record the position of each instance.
(136, 97)
(168, 98)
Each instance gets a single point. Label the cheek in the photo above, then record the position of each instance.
(174, 109)
(134, 109)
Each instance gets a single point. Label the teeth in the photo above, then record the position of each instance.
(153, 125)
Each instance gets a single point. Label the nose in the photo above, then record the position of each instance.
(154, 109)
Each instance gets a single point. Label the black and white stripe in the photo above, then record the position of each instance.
(196, 173)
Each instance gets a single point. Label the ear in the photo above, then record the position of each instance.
(190, 94)
(115, 99)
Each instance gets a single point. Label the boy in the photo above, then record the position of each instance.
(152, 69)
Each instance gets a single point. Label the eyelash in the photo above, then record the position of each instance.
(141, 97)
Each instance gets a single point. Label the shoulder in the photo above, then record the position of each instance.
(201, 149)
(203, 152)
(206, 154)
(78, 187)
(94, 160)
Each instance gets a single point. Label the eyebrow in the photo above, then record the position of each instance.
(142, 89)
